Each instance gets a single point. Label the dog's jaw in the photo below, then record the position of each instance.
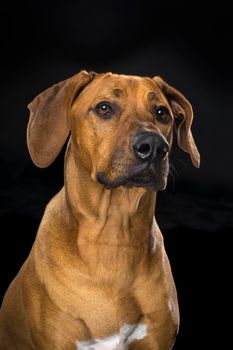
(151, 179)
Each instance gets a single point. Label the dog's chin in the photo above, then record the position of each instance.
(148, 181)
(157, 184)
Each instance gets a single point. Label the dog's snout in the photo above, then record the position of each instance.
(150, 145)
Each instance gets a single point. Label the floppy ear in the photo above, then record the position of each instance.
(48, 126)
(183, 114)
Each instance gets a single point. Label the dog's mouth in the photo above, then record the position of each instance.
(153, 177)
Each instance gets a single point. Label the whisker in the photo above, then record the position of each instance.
(173, 173)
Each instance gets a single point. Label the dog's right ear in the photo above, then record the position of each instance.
(48, 126)
(183, 113)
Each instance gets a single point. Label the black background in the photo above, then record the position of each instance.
(188, 44)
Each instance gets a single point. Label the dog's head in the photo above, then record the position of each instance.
(121, 127)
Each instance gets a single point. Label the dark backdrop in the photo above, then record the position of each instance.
(189, 45)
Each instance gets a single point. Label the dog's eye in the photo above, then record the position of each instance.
(162, 115)
(104, 109)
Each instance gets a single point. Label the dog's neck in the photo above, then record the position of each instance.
(116, 220)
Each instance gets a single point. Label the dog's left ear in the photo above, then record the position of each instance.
(183, 114)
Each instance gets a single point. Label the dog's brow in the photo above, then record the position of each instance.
(154, 96)
(118, 92)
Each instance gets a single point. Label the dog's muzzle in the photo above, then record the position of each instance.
(150, 167)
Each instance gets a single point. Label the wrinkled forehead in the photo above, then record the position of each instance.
(124, 86)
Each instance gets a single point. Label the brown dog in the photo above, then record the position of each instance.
(98, 276)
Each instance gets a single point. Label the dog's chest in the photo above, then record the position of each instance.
(127, 334)
(114, 262)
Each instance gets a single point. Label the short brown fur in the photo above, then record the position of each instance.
(98, 260)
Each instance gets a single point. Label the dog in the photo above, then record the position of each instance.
(98, 276)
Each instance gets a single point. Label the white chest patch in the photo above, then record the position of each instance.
(128, 333)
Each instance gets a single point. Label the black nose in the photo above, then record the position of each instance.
(150, 145)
